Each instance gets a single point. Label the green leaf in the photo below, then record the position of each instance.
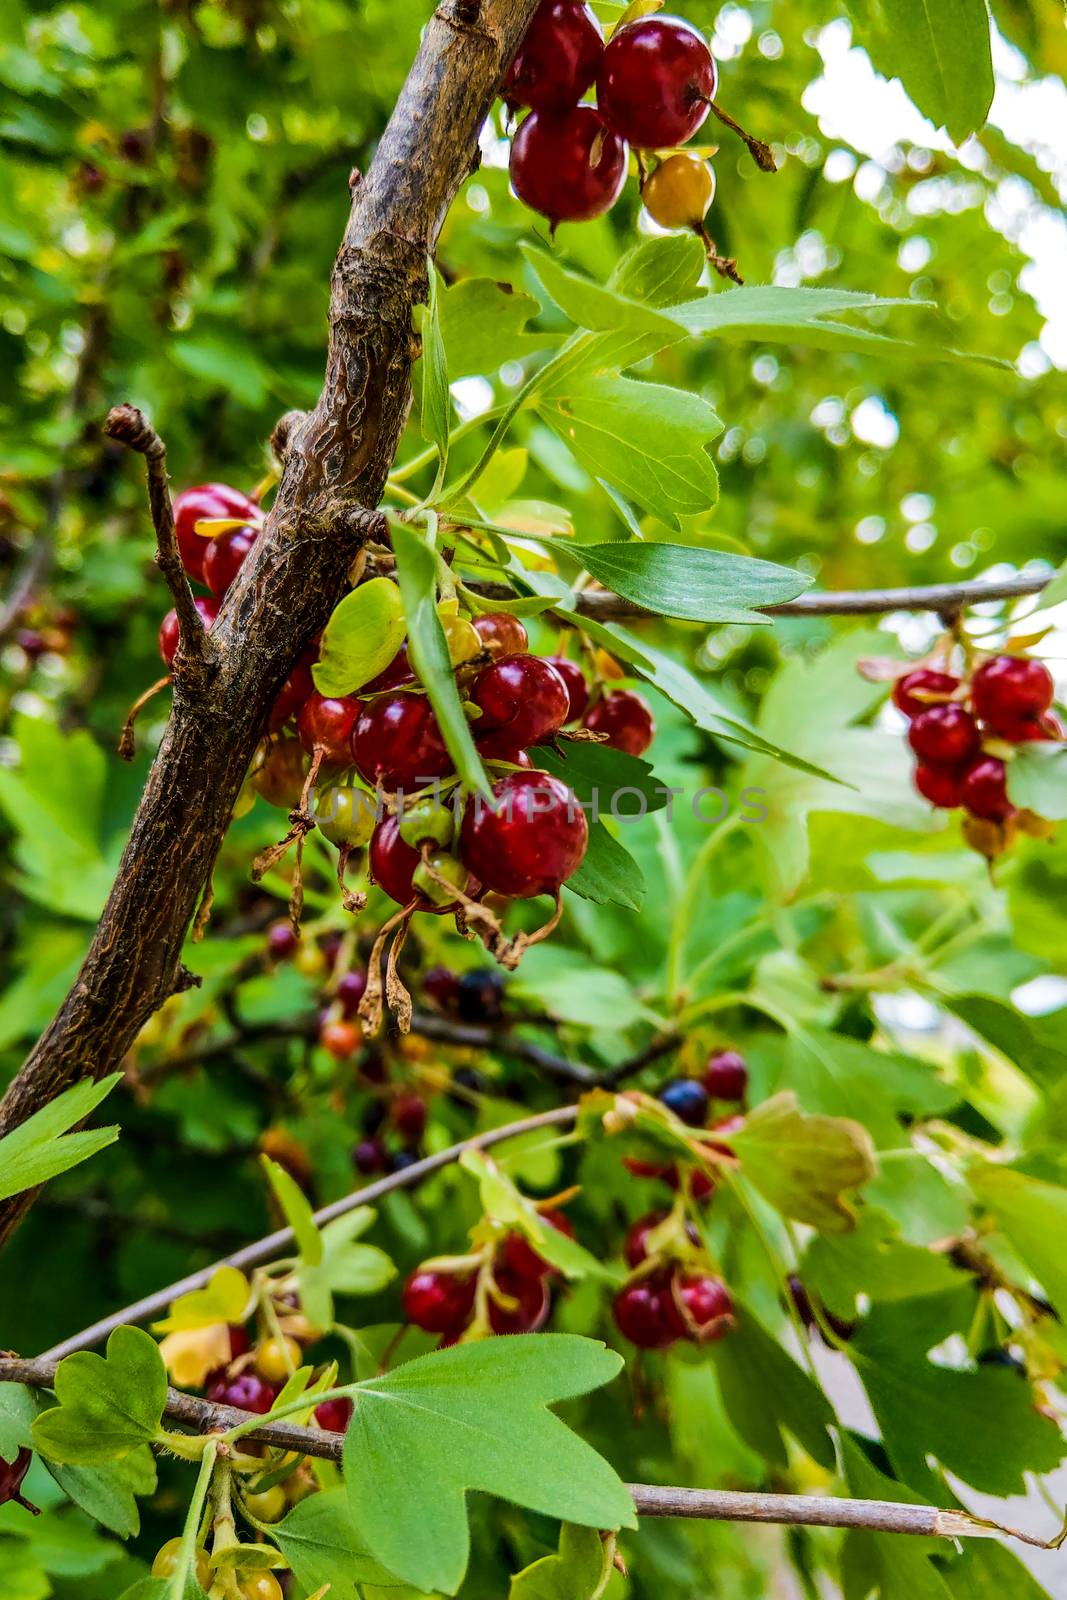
(436, 400)
(225, 1299)
(690, 582)
(18, 1408)
(1037, 779)
(108, 1493)
(502, 1201)
(416, 570)
(940, 52)
(483, 324)
(579, 1572)
(1037, 1045)
(362, 636)
(660, 272)
(41, 1147)
(929, 1410)
(346, 1267)
(615, 783)
(319, 1540)
(582, 993)
(475, 1417)
(1033, 1216)
(844, 1077)
(608, 875)
(874, 1261)
(592, 305)
(805, 1165)
(647, 440)
(297, 1208)
(764, 1393)
(108, 1405)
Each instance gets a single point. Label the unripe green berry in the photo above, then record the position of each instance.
(427, 821)
(345, 815)
(444, 866)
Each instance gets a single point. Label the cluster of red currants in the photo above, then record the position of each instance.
(502, 1290)
(655, 82)
(213, 561)
(672, 1295)
(533, 835)
(964, 731)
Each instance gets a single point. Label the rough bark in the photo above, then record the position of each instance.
(337, 461)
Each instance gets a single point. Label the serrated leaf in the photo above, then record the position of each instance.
(805, 1166)
(108, 1493)
(874, 1261)
(416, 570)
(1032, 1215)
(765, 1393)
(645, 438)
(579, 1572)
(929, 1410)
(484, 324)
(297, 1208)
(319, 1540)
(18, 1408)
(615, 783)
(901, 1567)
(692, 583)
(1037, 779)
(362, 636)
(224, 1300)
(593, 305)
(1037, 1045)
(475, 1417)
(608, 875)
(108, 1405)
(41, 1147)
(941, 53)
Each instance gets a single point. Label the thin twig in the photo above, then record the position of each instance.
(276, 1244)
(604, 606)
(650, 1500)
(131, 427)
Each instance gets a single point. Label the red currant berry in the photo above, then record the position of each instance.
(409, 1117)
(523, 700)
(701, 1183)
(334, 1415)
(369, 1157)
(688, 1099)
(12, 1474)
(501, 633)
(944, 736)
(280, 780)
(577, 688)
(923, 681)
(393, 865)
(397, 673)
(438, 1302)
(1009, 690)
(531, 1311)
(225, 557)
(626, 719)
(656, 78)
(520, 1255)
(441, 986)
(645, 1314)
(707, 1309)
(297, 688)
(206, 502)
(328, 724)
(983, 790)
(648, 1169)
(726, 1075)
(340, 1039)
(397, 743)
(282, 942)
(529, 839)
(569, 167)
(168, 628)
(499, 747)
(247, 1392)
(350, 991)
(939, 785)
(240, 1343)
(557, 60)
(635, 1249)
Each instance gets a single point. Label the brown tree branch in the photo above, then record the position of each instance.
(650, 1500)
(336, 465)
(195, 654)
